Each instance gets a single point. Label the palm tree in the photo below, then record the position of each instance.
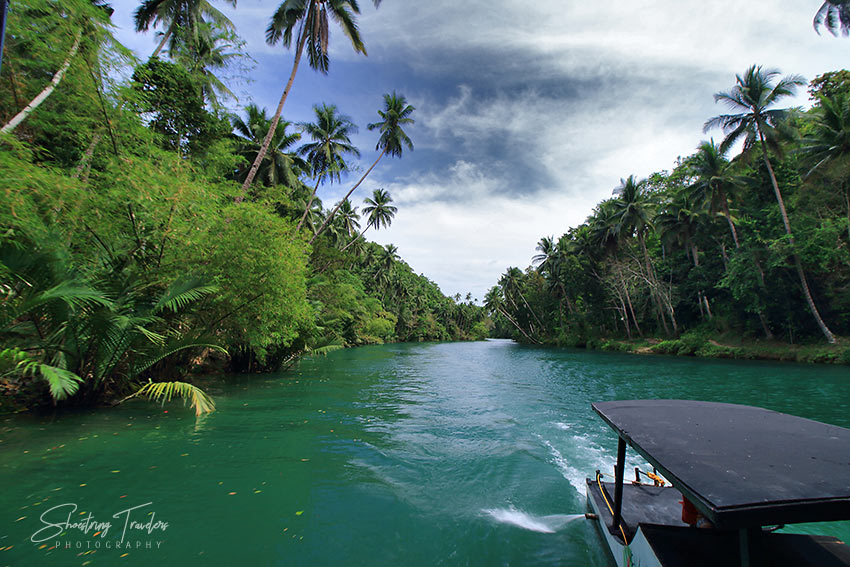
(494, 304)
(835, 15)
(715, 183)
(185, 16)
(308, 20)
(548, 251)
(331, 142)
(752, 96)
(279, 167)
(829, 141)
(393, 139)
(211, 48)
(380, 211)
(511, 284)
(633, 210)
(678, 223)
(349, 219)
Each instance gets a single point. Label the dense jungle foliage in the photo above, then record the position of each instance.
(754, 247)
(135, 243)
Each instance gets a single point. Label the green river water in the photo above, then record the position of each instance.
(410, 455)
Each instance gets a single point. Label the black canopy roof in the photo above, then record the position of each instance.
(741, 466)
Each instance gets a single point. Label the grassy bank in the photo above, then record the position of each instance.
(694, 344)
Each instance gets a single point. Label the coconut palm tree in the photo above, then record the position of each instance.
(548, 250)
(330, 145)
(307, 20)
(835, 15)
(211, 48)
(393, 139)
(183, 16)
(380, 212)
(349, 219)
(757, 123)
(715, 182)
(632, 211)
(828, 144)
(280, 166)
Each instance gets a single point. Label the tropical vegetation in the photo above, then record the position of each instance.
(145, 233)
(736, 248)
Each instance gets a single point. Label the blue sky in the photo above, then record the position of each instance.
(527, 113)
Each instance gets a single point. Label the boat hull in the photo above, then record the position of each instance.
(637, 554)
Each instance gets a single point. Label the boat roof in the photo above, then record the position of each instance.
(741, 466)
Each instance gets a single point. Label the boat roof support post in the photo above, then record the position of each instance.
(619, 472)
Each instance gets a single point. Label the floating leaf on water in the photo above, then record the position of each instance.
(124, 555)
(231, 493)
(115, 471)
(185, 455)
(21, 518)
(257, 491)
(299, 512)
(84, 484)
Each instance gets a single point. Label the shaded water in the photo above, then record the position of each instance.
(426, 454)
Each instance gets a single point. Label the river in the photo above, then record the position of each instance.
(410, 454)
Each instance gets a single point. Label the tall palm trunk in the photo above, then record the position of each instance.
(728, 216)
(161, 44)
(353, 240)
(653, 283)
(515, 324)
(628, 297)
(797, 263)
(47, 91)
(268, 140)
(309, 204)
(347, 195)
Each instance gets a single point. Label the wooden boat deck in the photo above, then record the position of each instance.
(642, 504)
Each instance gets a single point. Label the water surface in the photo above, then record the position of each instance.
(413, 455)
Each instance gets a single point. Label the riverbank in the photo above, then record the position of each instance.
(692, 344)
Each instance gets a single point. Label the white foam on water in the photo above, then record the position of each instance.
(569, 472)
(562, 426)
(541, 524)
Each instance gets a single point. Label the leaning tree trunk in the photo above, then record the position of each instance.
(309, 204)
(653, 285)
(347, 195)
(161, 44)
(48, 90)
(797, 263)
(252, 173)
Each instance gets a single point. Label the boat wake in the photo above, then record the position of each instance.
(542, 524)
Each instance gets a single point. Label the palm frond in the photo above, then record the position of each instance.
(163, 392)
(147, 361)
(183, 292)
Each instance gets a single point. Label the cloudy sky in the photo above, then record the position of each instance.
(527, 113)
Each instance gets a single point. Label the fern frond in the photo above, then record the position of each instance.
(164, 391)
(62, 382)
(183, 292)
